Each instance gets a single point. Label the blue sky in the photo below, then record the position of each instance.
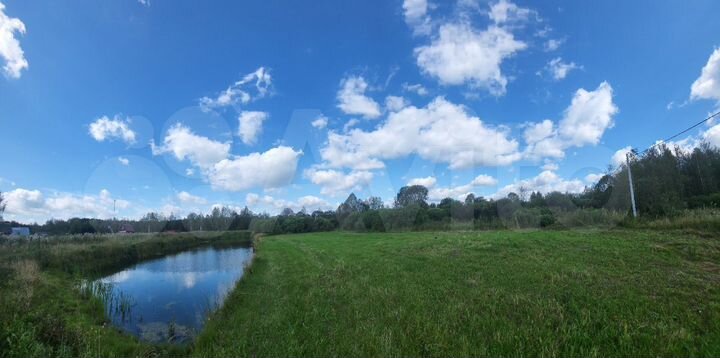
(176, 106)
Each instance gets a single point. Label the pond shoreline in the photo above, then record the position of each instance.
(42, 311)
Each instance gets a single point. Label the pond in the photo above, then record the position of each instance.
(168, 299)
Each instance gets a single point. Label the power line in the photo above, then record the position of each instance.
(681, 133)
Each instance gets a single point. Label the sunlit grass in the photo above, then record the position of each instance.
(538, 293)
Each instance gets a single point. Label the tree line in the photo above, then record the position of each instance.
(667, 181)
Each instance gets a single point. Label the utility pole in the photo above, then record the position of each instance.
(632, 191)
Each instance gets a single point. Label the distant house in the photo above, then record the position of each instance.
(126, 229)
(20, 231)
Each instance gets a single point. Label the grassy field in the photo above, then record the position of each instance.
(44, 314)
(539, 293)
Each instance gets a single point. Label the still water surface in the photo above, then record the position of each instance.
(168, 299)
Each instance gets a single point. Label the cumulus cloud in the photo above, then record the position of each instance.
(584, 122)
(33, 205)
(459, 192)
(712, 135)
(559, 69)
(352, 99)
(618, 158)
(183, 144)
(10, 49)
(334, 182)
(349, 124)
(707, 86)
(144, 2)
(460, 54)
(124, 161)
(545, 182)
(252, 86)
(320, 122)
(187, 198)
(105, 128)
(427, 182)
(505, 11)
(251, 126)
(271, 169)
(266, 202)
(416, 16)
(441, 132)
(589, 115)
(550, 166)
(395, 103)
(593, 178)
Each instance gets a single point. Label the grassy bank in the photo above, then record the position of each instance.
(43, 314)
(539, 293)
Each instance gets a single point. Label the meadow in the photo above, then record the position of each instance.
(617, 292)
(498, 293)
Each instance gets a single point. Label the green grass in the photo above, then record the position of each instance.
(536, 293)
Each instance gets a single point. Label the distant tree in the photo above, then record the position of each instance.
(536, 200)
(2, 205)
(374, 203)
(470, 199)
(287, 212)
(513, 197)
(351, 205)
(413, 195)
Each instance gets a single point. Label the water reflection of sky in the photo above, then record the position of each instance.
(180, 289)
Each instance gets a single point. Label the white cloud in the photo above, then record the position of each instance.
(271, 169)
(416, 16)
(187, 198)
(618, 158)
(584, 122)
(589, 115)
(593, 178)
(427, 182)
(240, 91)
(712, 136)
(552, 44)
(545, 182)
(144, 2)
(105, 128)
(320, 122)
(189, 171)
(124, 161)
(33, 205)
(309, 202)
(560, 69)
(440, 132)
(417, 88)
(349, 124)
(456, 192)
(334, 182)
(707, 86)
(505, 11)
(352, 99)
(184, 144)
(550, 166)
(251, 126)
(10, 49)
(535, 132)
(460, 54)
(395, 103)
